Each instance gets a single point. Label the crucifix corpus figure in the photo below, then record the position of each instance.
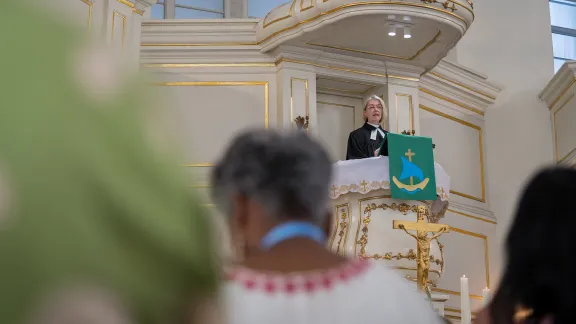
(422, 228)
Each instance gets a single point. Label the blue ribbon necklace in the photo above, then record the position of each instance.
(290, 230)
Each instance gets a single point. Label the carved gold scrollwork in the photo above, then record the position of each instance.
(364, 238)
(343, 229)
(411, 255)
(363, 241)
(449, 4)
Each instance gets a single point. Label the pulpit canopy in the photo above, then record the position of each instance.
(368, 29)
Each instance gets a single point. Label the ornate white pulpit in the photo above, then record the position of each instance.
(364, 212)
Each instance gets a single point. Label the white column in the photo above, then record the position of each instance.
(122, 27)
(235, 8)
(116, 22)
(296, 97)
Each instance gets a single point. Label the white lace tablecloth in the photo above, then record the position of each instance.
(369, 174)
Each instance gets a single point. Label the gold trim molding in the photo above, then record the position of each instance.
(123, 17)
(199, 165)
(331, 67)
(290, 13)
(302, 8)
(480, 148)
(195, 65)
(90, 11)
(263, 64)
(410, 111)
(200, 44)
(486, 249)
(358, 93)
(131, 6)
(459, 104)
(307, 96)
(461, 85)
(562, 93)
(371, 86)
(363, 242)
(558, 159)
(222, 83)
(406, 58)
(349, 5)
(361, 215)
(471, 216)
(345, 106)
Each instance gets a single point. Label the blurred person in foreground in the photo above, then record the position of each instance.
(539, 285)
(94, 227)
(274, 188)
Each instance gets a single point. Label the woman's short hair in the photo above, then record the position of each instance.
(288, 173)
(540, 250)
(384, 108)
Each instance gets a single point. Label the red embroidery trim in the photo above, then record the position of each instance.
(298, 282)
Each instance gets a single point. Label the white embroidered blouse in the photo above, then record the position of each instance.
(362, 292)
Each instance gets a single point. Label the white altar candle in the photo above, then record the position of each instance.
(485, 296)
(465, 301)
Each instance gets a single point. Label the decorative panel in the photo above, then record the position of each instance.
(205, 115)
(336, 119)
(459, 149)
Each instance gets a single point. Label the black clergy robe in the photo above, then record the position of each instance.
(360, 146)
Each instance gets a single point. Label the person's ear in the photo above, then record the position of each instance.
(328, 221)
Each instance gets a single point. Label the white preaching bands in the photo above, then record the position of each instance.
(375, 132)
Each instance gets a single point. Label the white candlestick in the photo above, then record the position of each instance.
(465, 301)
(485, 296)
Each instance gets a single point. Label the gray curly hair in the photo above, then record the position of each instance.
(287, 172)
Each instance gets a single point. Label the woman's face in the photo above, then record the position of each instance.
(373, 111)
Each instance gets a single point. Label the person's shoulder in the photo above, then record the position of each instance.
(357, 132)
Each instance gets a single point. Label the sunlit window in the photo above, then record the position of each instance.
(157, 11)
(188, 9)
(563, 18)
(259, 8)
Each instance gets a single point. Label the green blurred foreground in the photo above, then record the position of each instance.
(87, 212)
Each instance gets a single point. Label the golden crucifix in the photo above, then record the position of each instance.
(422, 228)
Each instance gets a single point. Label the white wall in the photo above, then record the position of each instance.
(510, 42)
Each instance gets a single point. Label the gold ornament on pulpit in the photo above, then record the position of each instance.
(302, 123)
(422, 228)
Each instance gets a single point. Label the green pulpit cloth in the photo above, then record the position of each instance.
(412, 174)
(88, 213)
